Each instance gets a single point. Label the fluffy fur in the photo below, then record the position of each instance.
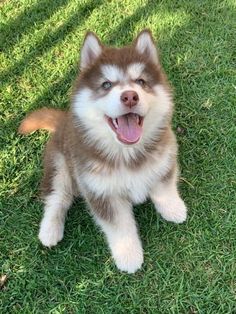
(113, 150)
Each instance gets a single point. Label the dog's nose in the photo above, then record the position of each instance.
(129, 98)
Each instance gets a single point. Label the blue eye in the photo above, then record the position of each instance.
(106, 85)
(140, 82)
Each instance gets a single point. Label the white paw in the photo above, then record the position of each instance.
(128, 255)
(51, 232)
(172, 209)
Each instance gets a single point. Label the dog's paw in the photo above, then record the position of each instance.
(172, 209)
(128, 255)
(51, 233)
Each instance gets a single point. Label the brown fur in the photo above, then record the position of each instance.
(121, 57)
(44, 118)
(171, 172)
(68, 137)
(101, 206)
(83, 153)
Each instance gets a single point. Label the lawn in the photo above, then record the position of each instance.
(189, 268)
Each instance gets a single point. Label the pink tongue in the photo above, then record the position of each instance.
(129, 131)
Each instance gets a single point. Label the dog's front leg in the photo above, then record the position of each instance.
(115, 217)
(167, 200)
(57, 202)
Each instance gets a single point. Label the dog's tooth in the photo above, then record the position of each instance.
(115, 123)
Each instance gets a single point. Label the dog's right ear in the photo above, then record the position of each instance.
(91, 50)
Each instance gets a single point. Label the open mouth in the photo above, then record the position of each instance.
(128, 127)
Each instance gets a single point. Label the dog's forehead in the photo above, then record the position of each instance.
(114, 73)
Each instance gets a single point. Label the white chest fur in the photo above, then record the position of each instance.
(136, 183)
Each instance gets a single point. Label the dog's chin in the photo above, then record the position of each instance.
(128, 127)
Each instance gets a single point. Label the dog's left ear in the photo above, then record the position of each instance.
(91, 50)
(145, 44)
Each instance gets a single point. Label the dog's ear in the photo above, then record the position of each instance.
(145, 44)
(91, 50)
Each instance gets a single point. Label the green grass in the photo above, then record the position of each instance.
(188, 268)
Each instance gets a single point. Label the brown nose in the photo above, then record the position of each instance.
(129, 98)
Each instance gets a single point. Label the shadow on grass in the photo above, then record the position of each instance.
(50, 40)
(26, 21)
(126, 27)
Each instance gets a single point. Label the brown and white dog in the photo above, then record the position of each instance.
(115, 146)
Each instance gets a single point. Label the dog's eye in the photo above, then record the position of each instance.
(140, 82)
(106, 85)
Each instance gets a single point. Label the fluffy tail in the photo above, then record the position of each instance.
(47, 119)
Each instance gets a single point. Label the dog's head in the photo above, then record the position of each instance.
(121, 93)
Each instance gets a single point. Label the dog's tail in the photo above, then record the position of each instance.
(47, 119)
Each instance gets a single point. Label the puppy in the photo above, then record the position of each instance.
(115, 146)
